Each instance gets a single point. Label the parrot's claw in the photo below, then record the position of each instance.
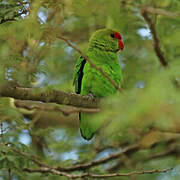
(92, 95)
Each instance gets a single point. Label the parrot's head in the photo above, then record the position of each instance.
(107, 39)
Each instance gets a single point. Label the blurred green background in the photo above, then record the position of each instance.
(147, 113)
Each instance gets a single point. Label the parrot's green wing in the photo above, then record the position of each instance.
(78, 74)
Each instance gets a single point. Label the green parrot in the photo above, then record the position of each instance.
(102, 51)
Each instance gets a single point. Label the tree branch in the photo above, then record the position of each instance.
(62, 171)
(120, 163)
(79, 166)
(13, 18)
(74, 176)
(35, 105)
(163, 12)
(100, 161)
(156, 41)
(59, 97)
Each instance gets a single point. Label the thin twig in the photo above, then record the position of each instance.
(120, 163)
(50, 170)
(152, 10)
(163, 12)
(74, 176)
(13, 18)
(82, 166)
(91, 63)
(156, 41)
(100, 161)
(34, 158)
(44, 168)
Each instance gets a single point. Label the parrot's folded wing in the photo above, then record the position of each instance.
(78, 74)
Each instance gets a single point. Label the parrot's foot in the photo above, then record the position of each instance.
(92, 95)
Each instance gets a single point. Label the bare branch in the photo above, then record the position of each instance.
(59, 97)
(44, 168)
(161, 154)
(162, 12)
(152, 10)
(156, 40)
(52, 170)
(75, 176)
(120, 163)
(80, 166)
(100, 161)
(91, 63)
(35, 105)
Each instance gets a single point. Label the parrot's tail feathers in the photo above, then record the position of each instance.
(86, 128)
(86, 136)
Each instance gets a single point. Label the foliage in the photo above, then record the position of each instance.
(146, 114)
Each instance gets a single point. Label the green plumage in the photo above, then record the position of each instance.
(102, 52)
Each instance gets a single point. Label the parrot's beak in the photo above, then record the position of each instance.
(121, 44)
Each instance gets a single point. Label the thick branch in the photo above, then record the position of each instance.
(54, 96)
(35, 105)
(156, 40)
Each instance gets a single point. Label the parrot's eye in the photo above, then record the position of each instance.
(112, 35)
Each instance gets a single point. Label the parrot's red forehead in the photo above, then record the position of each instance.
(117, 35)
